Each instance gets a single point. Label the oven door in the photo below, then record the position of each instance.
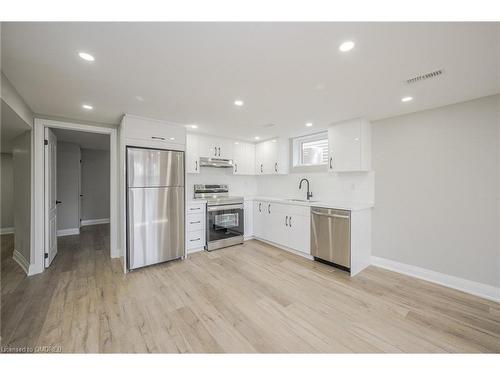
(224, 225)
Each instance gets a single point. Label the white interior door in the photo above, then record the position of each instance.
(50, 196)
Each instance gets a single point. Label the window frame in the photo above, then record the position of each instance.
(297, 144)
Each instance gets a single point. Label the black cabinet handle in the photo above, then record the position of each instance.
(235, 168)
(195, 222)
(215, 151)
(331, 160)
(219, 151)
(286, 220)
(57, 202)
(160, 138)
(290, 221)
(196, 165)
(269, 208)
(260, 208)
(261, 168)
(276, 167)
(195, 239)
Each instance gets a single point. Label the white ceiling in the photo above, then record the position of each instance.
(86, 140)
(287, 73)
(11, 126)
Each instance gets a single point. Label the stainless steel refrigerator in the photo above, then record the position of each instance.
(155, 206)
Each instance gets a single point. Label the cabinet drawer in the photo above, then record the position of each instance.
(195, 239)
(195, 208)
(195, 222)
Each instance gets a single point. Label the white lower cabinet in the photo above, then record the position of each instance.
(195, 226)
(248, 223)
(283, 224)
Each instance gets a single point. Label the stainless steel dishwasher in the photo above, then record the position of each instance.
(331, 236)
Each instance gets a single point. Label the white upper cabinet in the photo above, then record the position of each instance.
(271, 157)
(146, 132)
(349, 146)
(192, 153)
(244, 158)
(216, 147)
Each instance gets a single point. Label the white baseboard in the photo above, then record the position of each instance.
(68, 232)
(21, 260)
(95, 221)
(486, 291)
(7, 230)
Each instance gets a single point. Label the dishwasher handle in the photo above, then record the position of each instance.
(330, 215)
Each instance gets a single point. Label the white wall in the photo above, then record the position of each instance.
(438, 190)
(7, 192)
(95, 184)
(68, 185)
(352, 187)
(21, 161)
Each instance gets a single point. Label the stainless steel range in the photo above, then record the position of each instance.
(225, 216)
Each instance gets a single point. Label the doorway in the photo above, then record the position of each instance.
(48, 203)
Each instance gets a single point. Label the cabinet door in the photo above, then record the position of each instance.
(249, 159)
(225, 148)
(192, 154)
(239, 158)
(249, 211)
(205, 146)
(272, 162)
(257, 218)
(259, 158)
(298, 232)
(350, 146)
(154, 131)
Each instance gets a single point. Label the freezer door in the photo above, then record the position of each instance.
(155, 225)
(154, 168)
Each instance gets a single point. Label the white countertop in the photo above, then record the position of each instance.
(351, 206)
(195, 201)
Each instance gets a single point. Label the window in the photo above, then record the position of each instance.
(310, 150)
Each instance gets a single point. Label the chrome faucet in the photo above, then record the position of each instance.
(309, 194)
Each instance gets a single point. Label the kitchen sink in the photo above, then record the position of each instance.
(300, 200)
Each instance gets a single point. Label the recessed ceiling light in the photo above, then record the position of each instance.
(172, 139)
(274, 141)
(86, 56)
(87, 107)
(193, 126)
(238, 103)
(309, 124)
(407, 99)
(236, 143)
(346, 46)
(256, 138)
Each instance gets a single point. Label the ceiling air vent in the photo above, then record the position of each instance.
(425, 76)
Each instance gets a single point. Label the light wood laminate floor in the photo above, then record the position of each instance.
(247, 298)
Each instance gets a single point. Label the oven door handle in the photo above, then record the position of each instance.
(226, 207)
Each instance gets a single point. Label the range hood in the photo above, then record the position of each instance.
(216, 163)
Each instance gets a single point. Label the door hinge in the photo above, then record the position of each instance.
(45, 142)
(46, 255)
